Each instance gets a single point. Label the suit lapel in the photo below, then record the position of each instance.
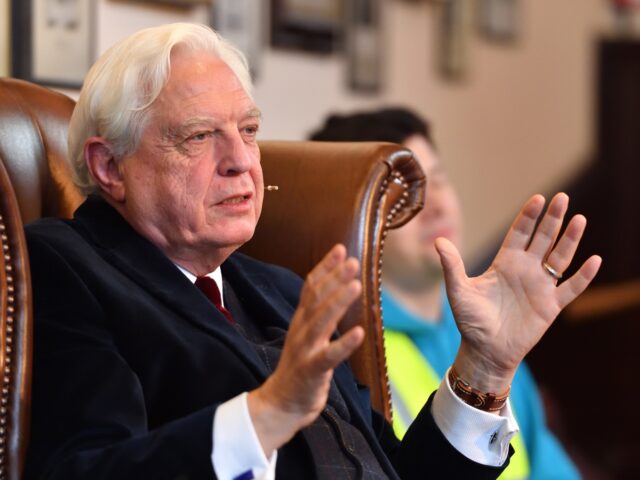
(147, 266)
(255, 288)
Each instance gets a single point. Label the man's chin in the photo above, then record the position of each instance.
(235, 231)
(236, 239)
(413, 277)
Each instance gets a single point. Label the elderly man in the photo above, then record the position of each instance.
(138, 374)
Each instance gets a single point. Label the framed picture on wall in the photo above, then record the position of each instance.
(499, 20)
(454, 34)
(52, 41)
(363, 44)
(175, 3)
(309, 25)
(241, 22)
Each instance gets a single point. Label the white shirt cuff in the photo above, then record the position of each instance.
(480, 436)
(237, 453)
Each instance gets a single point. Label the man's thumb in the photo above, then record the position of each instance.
(451, 262)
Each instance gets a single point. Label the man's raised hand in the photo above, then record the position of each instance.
(502, 313)
(295, 394)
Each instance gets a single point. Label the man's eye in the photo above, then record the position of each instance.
(250, 130)
(199, 137)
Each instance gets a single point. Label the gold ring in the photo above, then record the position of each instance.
(551, 271)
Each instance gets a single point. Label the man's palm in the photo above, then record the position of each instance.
(502, 313)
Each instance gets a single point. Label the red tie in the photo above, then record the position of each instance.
(209, 287)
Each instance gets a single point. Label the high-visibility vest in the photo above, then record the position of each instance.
(413, 380)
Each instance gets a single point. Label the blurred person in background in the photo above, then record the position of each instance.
(421, 337)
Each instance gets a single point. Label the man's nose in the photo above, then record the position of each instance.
(432, 204)
(234, 155)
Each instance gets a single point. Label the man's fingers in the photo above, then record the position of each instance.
(574, 286)
(340, 349)
(519, 235)
(325, 318)
(333, 257)
(333, 272)
(341, 275)
(451, 261)
(545, 236)
(562, 254)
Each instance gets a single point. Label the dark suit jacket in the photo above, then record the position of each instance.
(131, 361)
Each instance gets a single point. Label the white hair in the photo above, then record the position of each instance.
(122, 85)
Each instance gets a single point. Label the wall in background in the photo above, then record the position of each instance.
(4, 36)
(520, 123)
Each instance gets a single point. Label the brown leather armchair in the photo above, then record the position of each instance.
(328, 193)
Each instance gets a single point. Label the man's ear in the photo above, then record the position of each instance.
(104, 168)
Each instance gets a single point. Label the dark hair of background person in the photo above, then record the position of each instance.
(385, 125)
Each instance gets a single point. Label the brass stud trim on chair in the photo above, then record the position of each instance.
(9, 316)
(398, 180)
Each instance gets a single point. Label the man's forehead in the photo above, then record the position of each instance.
(197, 73)
(203, 89)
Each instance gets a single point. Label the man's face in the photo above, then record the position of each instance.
(194, 186)
(410, 255)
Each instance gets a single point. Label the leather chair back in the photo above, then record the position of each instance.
(350, 193)
(33, 148)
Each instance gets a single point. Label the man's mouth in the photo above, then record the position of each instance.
(235, 200)
(444, 231)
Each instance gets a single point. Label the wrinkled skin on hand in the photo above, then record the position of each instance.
(295, 394)
(504, 312)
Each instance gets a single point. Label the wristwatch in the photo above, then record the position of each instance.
(488, 402)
